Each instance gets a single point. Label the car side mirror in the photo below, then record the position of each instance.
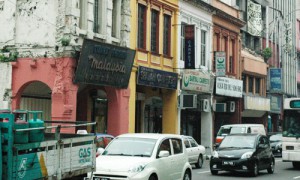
(163, 154)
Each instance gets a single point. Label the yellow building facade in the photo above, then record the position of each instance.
(153, 80)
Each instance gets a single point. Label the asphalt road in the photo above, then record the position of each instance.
(283, 171)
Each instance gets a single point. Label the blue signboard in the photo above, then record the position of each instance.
(189, 62)
(275, 103)
(156, 78)
(275, 79)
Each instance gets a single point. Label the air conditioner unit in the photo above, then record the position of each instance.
(204, 105)
(231, 106)
(220, 107)
(188, 101)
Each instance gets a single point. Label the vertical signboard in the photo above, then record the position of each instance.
(275, 80)
(189, 62)
(220, 60)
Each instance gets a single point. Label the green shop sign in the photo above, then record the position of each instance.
(196, 81)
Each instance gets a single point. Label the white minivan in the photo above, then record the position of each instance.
(239, 128)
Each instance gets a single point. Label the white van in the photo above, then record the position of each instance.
(239, 128)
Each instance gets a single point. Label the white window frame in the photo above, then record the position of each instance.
(102, 7)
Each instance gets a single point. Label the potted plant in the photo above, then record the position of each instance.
(267, 53)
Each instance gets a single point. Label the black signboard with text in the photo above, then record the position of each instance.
(189, 62)
(156, 78)
(104, 64)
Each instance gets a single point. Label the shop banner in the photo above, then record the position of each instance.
(254, 18)
(257, 103)
(220, 60)
(229, 87)
(189, 62)
(196, 81)
(275, 80)
(156, 78)
(104, 64)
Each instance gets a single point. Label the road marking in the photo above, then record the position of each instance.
(278, 160)
(297, 177)
(203, 172)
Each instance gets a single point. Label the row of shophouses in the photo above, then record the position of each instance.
(161, 66)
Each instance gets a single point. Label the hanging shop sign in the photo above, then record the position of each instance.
(156, 78)
(104, 64)
(193, 80)
(254, 23)
(275, 80)
(229, 87)
(189, 62)
(275, 103)
(220, 60)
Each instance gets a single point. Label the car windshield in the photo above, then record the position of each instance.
(130, 146)
(236, 130)
(291, 125)
(224, 131)
(238, 142)
(276, 138)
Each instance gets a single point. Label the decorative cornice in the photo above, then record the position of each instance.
(202, 5)
(233, 20)
(217, 12)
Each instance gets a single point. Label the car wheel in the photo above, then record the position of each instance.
(255, 170)
(214, 172)
(199, 162)
(296, 165)
(187, 176)
(153, 177)
(271, 167)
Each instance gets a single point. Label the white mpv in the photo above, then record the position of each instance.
(143, 156)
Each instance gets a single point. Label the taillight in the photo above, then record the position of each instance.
(219, 140)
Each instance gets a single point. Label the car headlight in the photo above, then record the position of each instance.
(278, 146)
(215, 154)
(246, 155)
(138, 168)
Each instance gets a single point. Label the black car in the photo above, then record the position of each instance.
(276, 144)
(243, 153)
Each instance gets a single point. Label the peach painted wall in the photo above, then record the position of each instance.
(58, 74)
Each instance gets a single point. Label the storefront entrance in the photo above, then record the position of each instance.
(191, 124)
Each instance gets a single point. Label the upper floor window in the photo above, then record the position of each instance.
(141, 26)
(167, 35)
(257, 85)
(98, 24)
(231, 57)
(154, 30)
(83, 14)
(116, 18)
(182, 41)
(244, 79)
(203, 47)
(250, 84)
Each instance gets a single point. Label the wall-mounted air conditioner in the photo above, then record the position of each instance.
(188, 101)
(203, 105)
(220, 107)
(231, 106)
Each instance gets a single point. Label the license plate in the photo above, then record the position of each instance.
(228, 163)
(100, 178)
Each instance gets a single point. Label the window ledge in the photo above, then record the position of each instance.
(115, 40)
(142, 50)
(100, 36)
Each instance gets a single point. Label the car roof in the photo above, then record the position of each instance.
(150, 135)
(103, 135)
(238, 125)
(244, 134)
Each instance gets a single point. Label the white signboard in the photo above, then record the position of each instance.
(220, 59)
(254, 18)
(229, 87)
(196, 81)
